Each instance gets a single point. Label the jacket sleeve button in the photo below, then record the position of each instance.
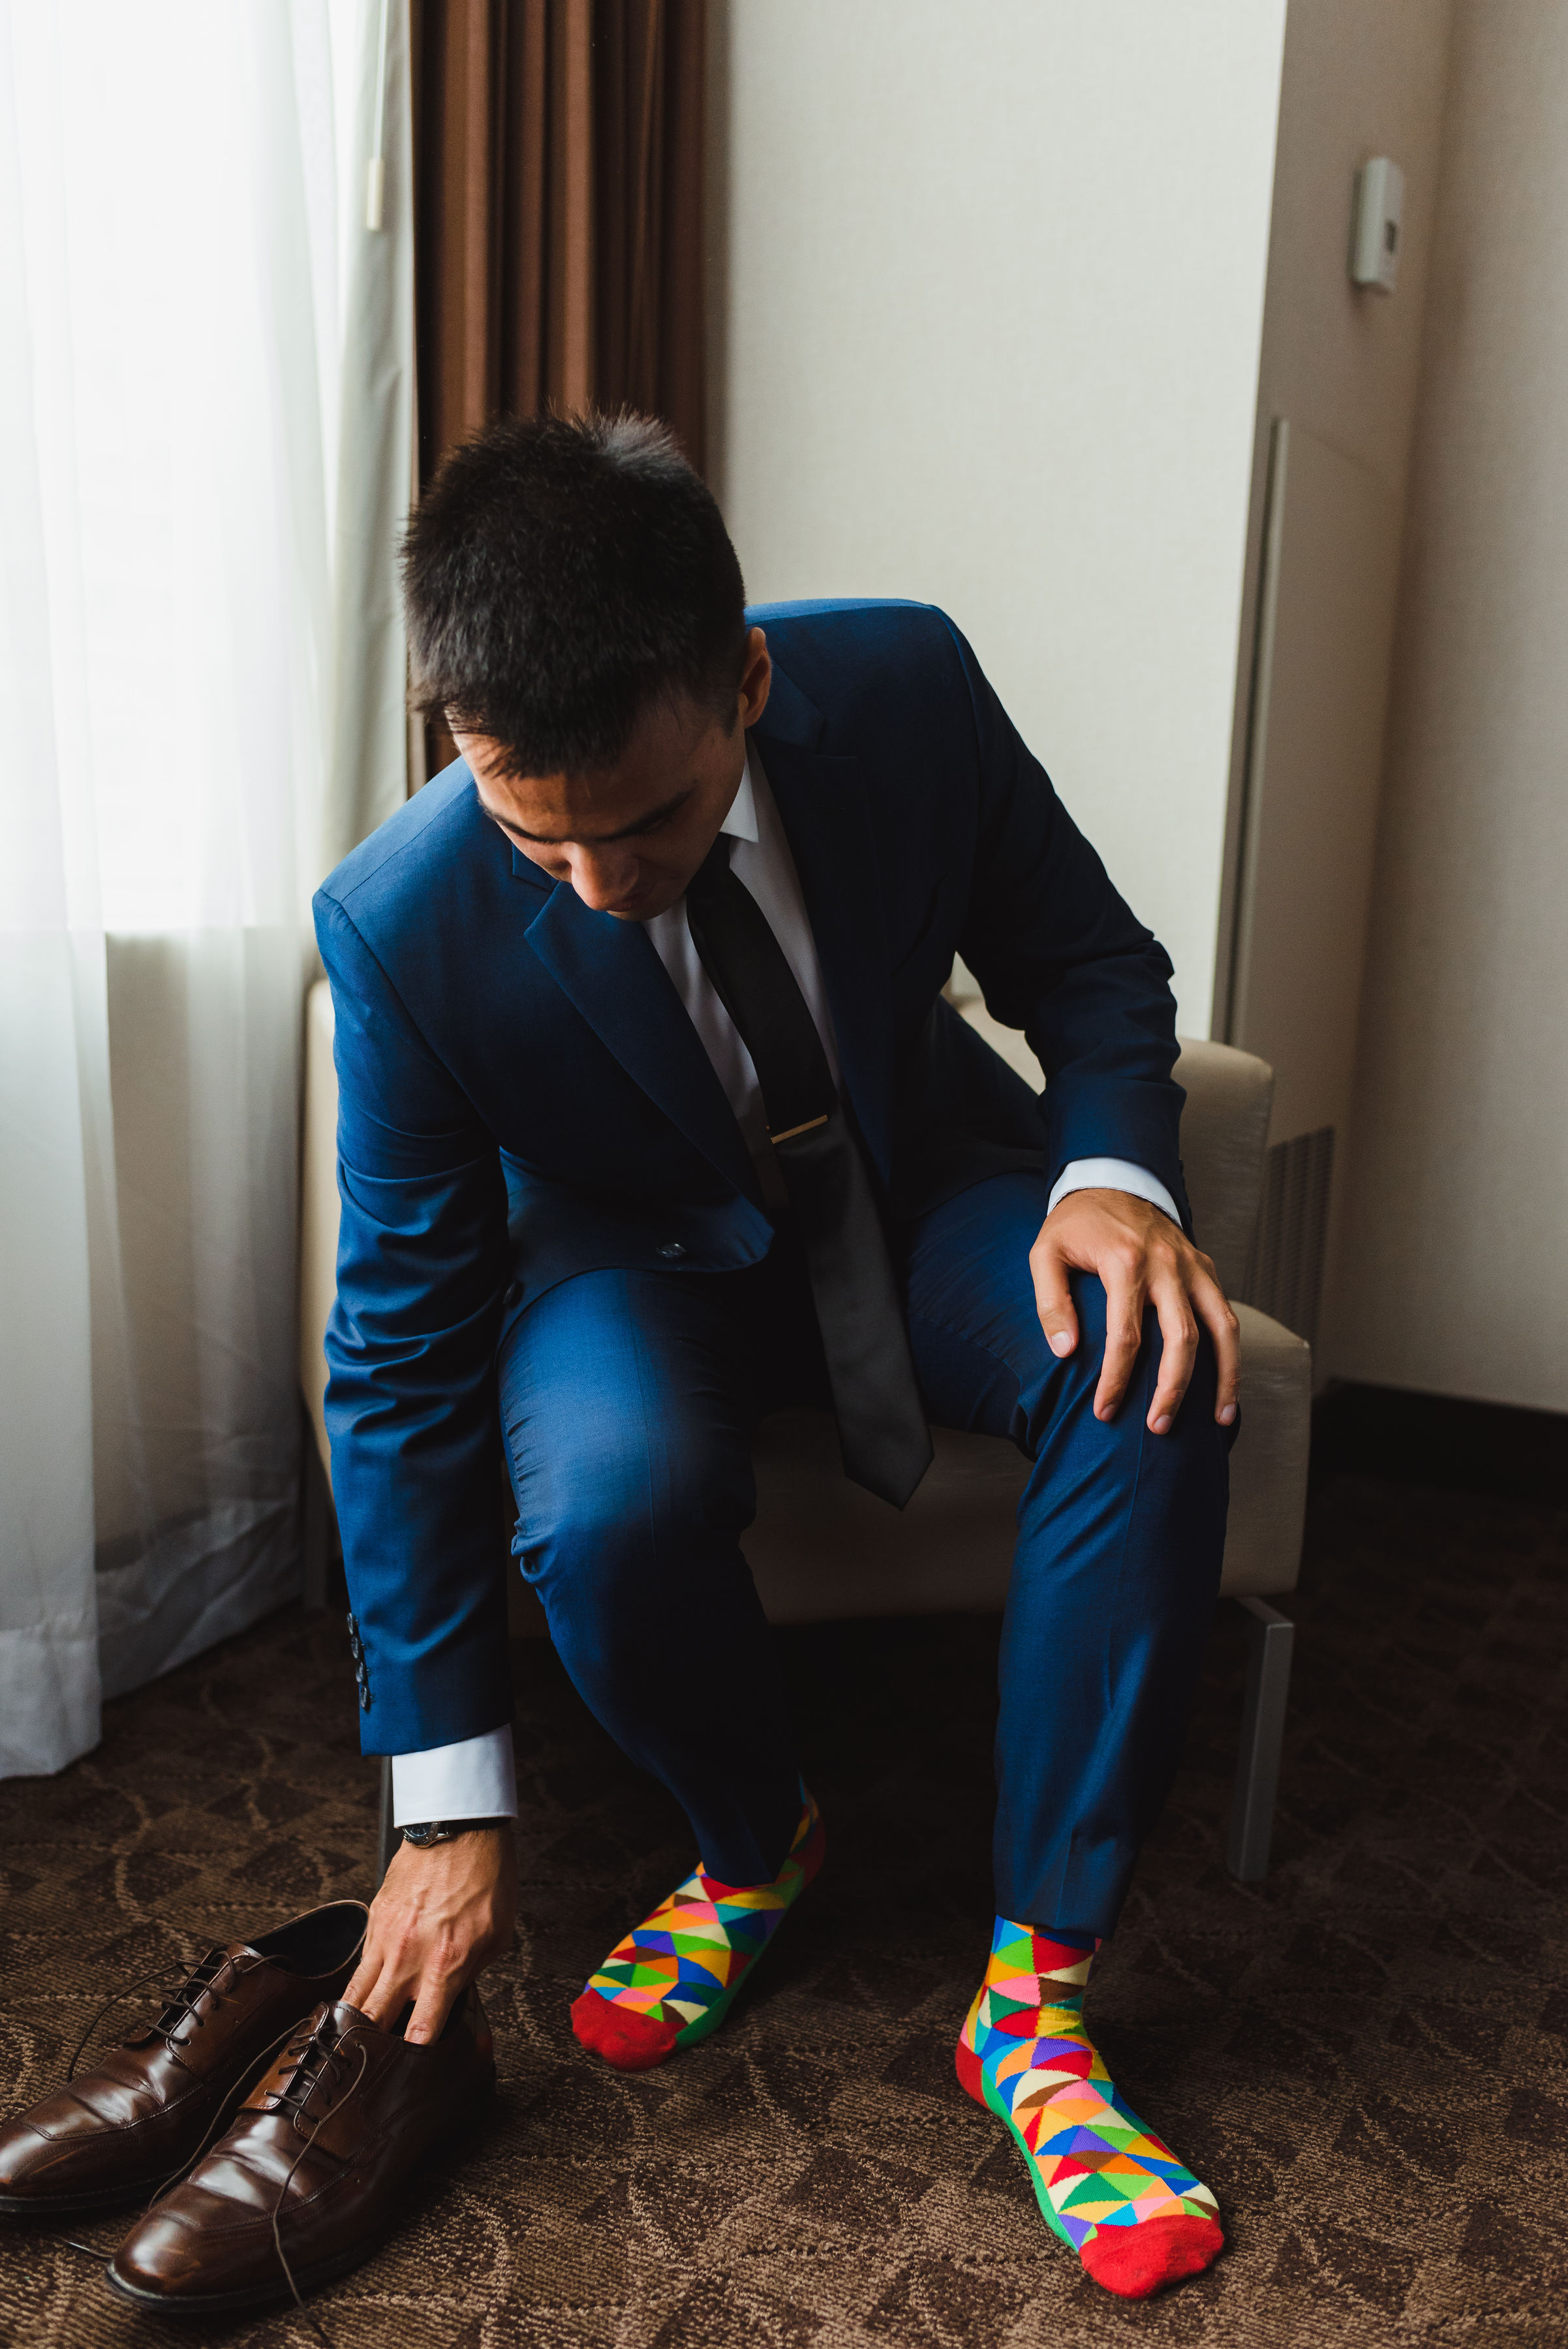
(513, 1293)
(674, 1248)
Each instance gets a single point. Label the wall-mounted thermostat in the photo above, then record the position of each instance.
(1375, 224)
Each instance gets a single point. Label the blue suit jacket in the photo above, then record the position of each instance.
(522, 1096)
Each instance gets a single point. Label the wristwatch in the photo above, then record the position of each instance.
(428, 1831)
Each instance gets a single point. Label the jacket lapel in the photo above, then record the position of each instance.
(823, 805)
(611, 972)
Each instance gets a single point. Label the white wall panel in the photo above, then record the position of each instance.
(988, 290)
(1456, 1273)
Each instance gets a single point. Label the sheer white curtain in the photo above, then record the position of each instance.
(205, 413)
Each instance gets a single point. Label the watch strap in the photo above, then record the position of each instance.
(422, 1832)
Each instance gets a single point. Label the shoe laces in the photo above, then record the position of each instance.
(179, 2000)
(314, 2058)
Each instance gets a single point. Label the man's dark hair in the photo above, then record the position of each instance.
(561, 573)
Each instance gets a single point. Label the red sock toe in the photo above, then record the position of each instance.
(1137, 2260)
(632, 2041)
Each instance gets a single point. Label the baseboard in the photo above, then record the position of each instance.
(1439, 1441)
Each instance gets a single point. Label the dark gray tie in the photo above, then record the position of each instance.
(882, 1430)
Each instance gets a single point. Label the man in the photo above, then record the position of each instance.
(654, 1118)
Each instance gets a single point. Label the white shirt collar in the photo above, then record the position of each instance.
(741, 824)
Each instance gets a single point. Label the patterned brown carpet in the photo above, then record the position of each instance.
(1365, 2057)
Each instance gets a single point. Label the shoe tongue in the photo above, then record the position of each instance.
(209, 1966)
(221, 1952)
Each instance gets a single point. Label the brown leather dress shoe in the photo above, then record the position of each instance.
(116, 2134)
(306, 2184)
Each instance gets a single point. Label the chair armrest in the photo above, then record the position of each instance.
(1224, 1140)
(1269, 1460)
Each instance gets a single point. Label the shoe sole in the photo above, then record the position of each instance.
(79, 2206)
(324, 2272)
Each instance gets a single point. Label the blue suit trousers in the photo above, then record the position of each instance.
(628, 1400)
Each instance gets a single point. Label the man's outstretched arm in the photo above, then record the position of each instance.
(410, 1407)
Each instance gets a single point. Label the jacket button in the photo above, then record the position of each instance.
(674, 1248)
(514, 1292)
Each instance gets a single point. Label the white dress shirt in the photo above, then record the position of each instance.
(760, 859)
(474, 1779)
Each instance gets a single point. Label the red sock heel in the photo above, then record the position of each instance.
(970, 2072)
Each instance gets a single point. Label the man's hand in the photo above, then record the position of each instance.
(439, 1918)
(1141, 1258)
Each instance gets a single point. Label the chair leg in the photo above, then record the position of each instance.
(389, 1842)
(1270, 1639)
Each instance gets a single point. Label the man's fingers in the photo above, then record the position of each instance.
(389, 1968)
(442, 1984)
(431, 2008)
(1178, 1333)
(1214, 1310)
(385, 1991)
(1137, 1255)
(1123, 1333)
(362, 1985)
(382, 1992)
(1053, 1298)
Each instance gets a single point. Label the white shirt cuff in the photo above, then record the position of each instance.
(474, 1779)
(1113, 1174)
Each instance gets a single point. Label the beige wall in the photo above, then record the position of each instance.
(1458, 1267)
(987, 289)
(1360, 78)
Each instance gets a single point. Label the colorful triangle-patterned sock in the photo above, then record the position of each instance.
(674, 1977)
(1106, 2184)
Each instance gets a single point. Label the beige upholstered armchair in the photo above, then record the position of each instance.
(822, 1550)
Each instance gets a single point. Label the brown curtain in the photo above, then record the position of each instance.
(559, 210)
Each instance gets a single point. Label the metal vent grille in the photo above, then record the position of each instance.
(1284, 1277)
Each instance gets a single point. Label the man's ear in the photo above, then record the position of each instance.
(756, 676)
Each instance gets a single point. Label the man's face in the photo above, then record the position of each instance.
(629, 837)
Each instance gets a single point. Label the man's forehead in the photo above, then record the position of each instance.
(560, 808)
